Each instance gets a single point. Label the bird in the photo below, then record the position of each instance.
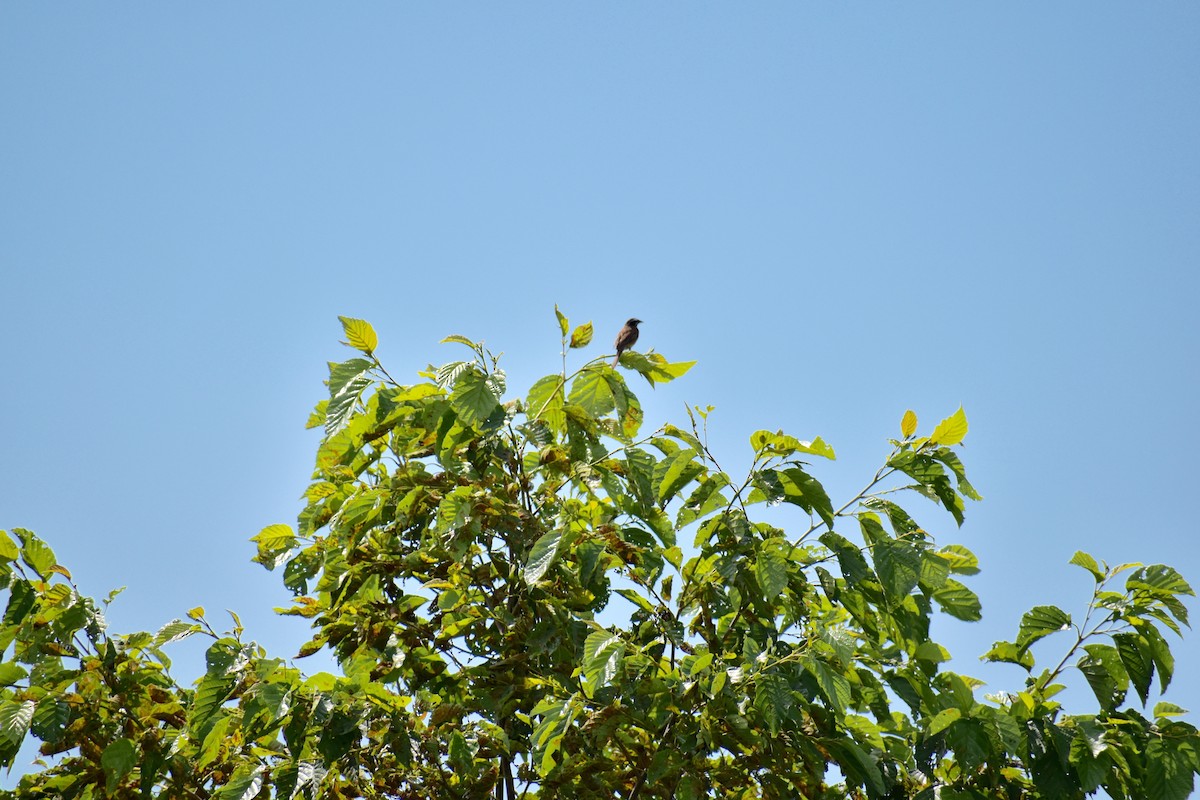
(627, 338)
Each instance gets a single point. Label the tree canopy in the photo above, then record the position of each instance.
(531, 597)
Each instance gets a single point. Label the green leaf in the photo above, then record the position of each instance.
(602, 655)
(542, 556)
(15, 716)
(1169, 768)
(675, 472)
(37, 555)
(1041, 621)
(563, 325)
(473, 398)
(359, 334)
(8, 548)
(766, 443)
(970, 743)
(1008, 652)
(346, 384)
(804, 490)
(582, 336)
(772, 701)
(958, 601)
(1105, 673)
(951, 430)
(859, 767)
(944, 720)
(1138, 662)
(1165, 710)
(898, 566)
(118, 760)
(174, 631)
(11, 673)
(545, 403)
(834, 685)
(771, 569)
(1160, 579)
(1082, 559)
(591, 392)
(908, 423)
(50, 719)
(245, 783)
(962, 561)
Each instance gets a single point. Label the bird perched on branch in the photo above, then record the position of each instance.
(627, 338)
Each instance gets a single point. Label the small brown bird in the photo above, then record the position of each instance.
(627, 338)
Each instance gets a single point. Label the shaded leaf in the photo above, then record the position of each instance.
(1041, 621)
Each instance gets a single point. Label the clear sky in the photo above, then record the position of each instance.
(839, 210)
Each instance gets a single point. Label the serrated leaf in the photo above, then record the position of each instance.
(834, 685)
(473, 398)
(563, 325)
(359, 334)
(951, 430)
(772, 701)
(545, 403)
(1041, 621)
(174, 631)
(898, 566)
(908, 423)
(275, 537)
(1082, 559)
(582, 336)
(1138, 663)
(772, 570)
(542, 556)
(602, 655)
(958, 601)
(37, 555)
(50, 719)
(1169, 768)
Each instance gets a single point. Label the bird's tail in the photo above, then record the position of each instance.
(616, 360)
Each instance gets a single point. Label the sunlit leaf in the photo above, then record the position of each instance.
(473, 398)
(1084, 560)
(582, 335)
(908, 423)
(542, 556)
(943, 720)
(359, 334)
(951, 430)
(563, 325)
(602, 654)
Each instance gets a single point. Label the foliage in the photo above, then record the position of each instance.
(529, 597)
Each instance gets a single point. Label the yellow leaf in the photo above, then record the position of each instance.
(582, 335)
(196, 613)
(359, 334)
(61, 570)
(908, 424)
(951, 430)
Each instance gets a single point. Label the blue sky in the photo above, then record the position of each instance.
(839, 210)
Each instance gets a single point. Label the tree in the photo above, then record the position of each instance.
(529, 597)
